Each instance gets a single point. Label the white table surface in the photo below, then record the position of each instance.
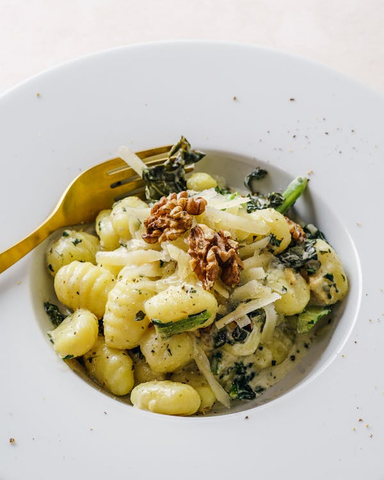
(345, 34)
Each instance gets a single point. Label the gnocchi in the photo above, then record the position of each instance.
(169, 398)
(76, 334)
(125, 322)
(83, 285)
(198, 298)
(329, 284)
(109, 239)
(166, 355)
(293, 288)
(111, 367)
(71, 246)
(178, 302)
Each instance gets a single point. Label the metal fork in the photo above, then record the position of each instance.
(93, 190)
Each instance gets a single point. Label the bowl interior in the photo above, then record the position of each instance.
(311, 208)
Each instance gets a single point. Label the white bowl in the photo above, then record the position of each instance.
(240, 104)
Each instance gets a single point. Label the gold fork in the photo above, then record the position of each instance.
(93, 190)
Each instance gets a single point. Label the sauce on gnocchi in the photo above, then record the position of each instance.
(197, 297)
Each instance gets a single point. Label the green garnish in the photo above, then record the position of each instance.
(54, 313)
(300, 256)
(310, 317)
(161, 180)
(68, 357)
(173, 328)
(140, 315)
(274, 241)
(240, 388)
(215, 361)
(292, 193)
(257, 174)
(260, 202)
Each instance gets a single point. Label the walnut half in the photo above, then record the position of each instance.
(296, 231)
(171, 217)
(212, 252)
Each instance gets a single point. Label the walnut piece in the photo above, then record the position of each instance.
(212, 252)
(171, 217)
(296, 231)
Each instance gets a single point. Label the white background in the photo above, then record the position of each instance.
(345, 34)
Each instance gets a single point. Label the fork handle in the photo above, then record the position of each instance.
(20, 249)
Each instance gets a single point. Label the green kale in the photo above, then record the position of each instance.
(274, 241)
(140, 315)
(215, 361)
(260, 202)
(300, 256)
(313, 233)
(239, 334)
(54, 313)
(281, 202)
(223, 191)
(161, 180)
(172, 328)
(240, 388)
(292, 193)
(220, 338)
(311, 315)
(257, 174)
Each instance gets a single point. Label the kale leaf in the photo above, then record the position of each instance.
(54, 313)
(257, 174)
(215, 361)
(161, 180)
(240, 388)
(313, 233)
(260, 202)
(301, 256)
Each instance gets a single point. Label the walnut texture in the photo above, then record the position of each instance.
(213, 253)
(172, 216)
(296, 231)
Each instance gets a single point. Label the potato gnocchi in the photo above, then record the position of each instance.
(205, 316)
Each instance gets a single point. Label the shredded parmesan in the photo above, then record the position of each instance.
(255, 273)
(230, 221)
(132, 159)
(250, 290)
(204, 366)
(243, 321)
(255, 247)
(182, 258)
(220, 288)
(270, 323)
(245, 308)
(219, 202)
(122, 257)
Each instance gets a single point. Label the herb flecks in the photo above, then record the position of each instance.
(54, 313)
(240, 388)
(140, 315)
